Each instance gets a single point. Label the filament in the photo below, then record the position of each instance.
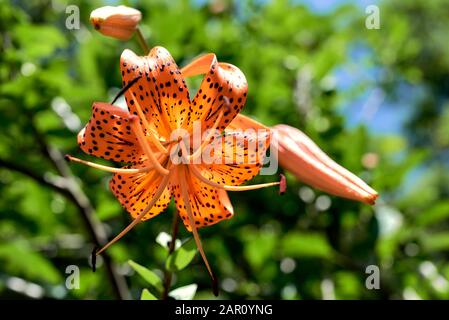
(211, 132)
(107, 168)
(135, 125)
(150, 132)
(139, 218)
(196, 236)
(193, 168)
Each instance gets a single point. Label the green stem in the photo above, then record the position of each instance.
(142, 42)
(171, 247)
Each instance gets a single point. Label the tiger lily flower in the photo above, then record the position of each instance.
(300, 155)
(155, 138)
(118, 22)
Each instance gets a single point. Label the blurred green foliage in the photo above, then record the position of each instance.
(302, 245)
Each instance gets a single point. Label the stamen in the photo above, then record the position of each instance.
(135, 125)
(224, 108)
(107, 168)
(251, 187)
(125, 88)
(156, 197)
(196, 236)
(150, 132)
(198, 174)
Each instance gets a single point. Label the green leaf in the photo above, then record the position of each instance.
(107, 209)
(184, 293)
(26, 36)
(434, 214)
(147, 295)
(181, 257)
(391, 144)
(149, 276)
(435, 242)
(259, 247)
(315, 245)
(17, 258)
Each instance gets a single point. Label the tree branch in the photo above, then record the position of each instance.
(66, 185)
(95, 230)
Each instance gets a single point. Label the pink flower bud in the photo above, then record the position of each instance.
(298, 154)
(118, 22)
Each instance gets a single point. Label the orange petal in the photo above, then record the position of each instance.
(118, 22)
(161, 90)
(242, 122)
(108, 135)
(198, 66)
(209, 205)
(221, 79)
(300, 155)
(240, 159)
(134, 191)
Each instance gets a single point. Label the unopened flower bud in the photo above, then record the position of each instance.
(118, 22)
(298, 154)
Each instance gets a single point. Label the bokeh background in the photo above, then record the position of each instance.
(375, 100)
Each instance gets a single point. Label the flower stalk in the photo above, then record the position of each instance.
(171, 248)
(141, 40)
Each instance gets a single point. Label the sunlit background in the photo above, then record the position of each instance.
(376, 100)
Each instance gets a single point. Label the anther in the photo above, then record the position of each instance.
(93, 258)
(215, 289)
(133, 118)
(125, 88)
(282, 184)
(227, 104)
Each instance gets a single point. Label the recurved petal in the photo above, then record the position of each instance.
(161, 90)
(221, 79)
(209, 205)
(108, 135)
